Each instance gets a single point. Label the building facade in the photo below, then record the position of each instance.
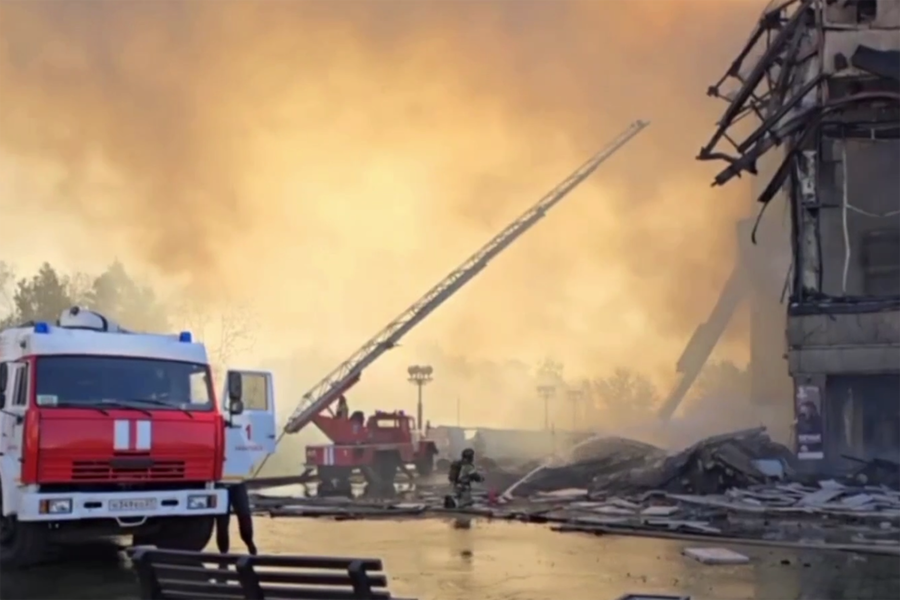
(821, 80)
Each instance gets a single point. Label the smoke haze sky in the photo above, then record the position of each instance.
(330, 161)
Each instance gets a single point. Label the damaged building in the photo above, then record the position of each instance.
(813, 111)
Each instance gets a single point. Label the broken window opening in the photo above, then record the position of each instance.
(880, 262)
(866, 11)
(862, 417)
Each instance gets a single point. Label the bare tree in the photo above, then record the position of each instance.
(237, 333)
(626, 392)
(226, 332)
(550, 372)
(723, 379)
(7, 281)
(191, 316)
(79, 287)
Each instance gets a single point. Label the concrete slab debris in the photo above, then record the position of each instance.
(585, 505)
(770, 467)
(819, 498)
(601, 520)
(659, 511)
(831, 484)
(652, 597)
(613, 510)
(716, 556)
(565, 493)
(857, 500)
(680, 525)
(622, 503)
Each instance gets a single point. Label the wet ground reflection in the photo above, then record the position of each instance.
(432, 560)
(95, 571)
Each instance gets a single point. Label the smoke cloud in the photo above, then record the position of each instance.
(329, 161)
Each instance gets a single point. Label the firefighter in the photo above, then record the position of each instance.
(462, 475)
(343, 411)
(239, 502)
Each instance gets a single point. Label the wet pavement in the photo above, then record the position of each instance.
(433, 560)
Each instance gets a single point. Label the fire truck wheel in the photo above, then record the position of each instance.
(381, 474)
(21, 544)
(189, 533)
(425, 465)
(334, 481)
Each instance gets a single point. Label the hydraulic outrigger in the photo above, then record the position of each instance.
(347, 374)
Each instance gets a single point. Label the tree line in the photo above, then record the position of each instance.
(44, 295)
(115, 293)
(632, 394)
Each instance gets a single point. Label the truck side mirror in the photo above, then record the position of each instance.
(235, 393)
(4, 375)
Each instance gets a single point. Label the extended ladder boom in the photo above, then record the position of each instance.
(324, 393)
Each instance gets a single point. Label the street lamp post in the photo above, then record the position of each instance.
(546, 392)
(419, 376)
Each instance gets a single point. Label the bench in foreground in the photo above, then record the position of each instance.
(172, 574)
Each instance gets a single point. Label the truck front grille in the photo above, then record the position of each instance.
(115, 470)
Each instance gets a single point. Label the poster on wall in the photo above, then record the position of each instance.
(809, 423)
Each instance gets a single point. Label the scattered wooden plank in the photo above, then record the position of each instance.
(716, 556)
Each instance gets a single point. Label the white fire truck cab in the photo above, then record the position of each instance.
(105, 432)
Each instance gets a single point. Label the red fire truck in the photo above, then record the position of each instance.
(104, 432)
(379, 447)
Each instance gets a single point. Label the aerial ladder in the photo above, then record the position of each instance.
(347, 374)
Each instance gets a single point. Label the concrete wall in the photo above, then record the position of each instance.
(844, 343)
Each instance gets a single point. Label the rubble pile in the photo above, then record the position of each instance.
(737, 486)
(735, 460)
(829, 498)
(601, 456)
(713, 465)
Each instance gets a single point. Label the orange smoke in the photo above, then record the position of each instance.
(331, 160)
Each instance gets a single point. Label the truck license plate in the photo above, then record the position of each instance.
(133, 504)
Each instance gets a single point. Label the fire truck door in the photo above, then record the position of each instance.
(12, 420)
(249, 436)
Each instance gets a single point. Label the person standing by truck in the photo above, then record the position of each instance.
(239, 502)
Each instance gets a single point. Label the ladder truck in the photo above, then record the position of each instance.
(386, 457)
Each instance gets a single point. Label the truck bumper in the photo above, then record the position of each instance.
(128, 508)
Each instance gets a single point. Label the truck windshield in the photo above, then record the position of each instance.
(98, 380)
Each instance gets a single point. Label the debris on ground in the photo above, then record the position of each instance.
(740, 485)
(652, 597)
(875, 471)
(716, 556)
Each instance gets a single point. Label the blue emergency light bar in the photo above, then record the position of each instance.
(41, 327)
(185, 336)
